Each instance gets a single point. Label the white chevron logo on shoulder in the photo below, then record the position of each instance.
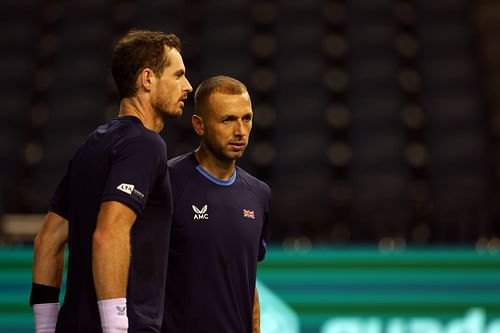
(127, 188)
(200, 214)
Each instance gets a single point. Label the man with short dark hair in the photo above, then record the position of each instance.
(114, 205)
(220, 223)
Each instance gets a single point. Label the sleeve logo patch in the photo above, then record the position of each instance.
(129, 189)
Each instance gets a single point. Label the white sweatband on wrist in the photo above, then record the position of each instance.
(45, 317)
(113, 313)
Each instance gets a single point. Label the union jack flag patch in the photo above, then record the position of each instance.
(249, 214)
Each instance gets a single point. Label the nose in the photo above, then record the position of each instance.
(187, 86)
(239, 128)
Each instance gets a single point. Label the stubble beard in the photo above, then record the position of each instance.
(219, 153)
(166, 110)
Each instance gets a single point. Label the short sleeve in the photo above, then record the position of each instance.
(59, 202)
(135, 167)
(264, 236)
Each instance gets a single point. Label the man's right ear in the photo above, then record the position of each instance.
(198, 125)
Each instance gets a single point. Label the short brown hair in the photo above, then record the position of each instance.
(216, 84)
(136, 50)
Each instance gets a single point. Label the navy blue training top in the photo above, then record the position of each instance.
(219, 232)
(120, 161)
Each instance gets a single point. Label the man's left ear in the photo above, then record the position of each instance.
(146, 77)
(198, 125)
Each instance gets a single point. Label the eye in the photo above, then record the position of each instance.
(179, 74)
(228, 119)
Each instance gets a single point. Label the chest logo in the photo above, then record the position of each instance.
(200, 214)
(249, 214)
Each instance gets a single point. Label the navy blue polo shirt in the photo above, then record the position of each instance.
(120, 161)
(219, 232)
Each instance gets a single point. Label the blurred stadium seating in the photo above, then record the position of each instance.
(373, 119)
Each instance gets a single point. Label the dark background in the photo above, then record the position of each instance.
(376, 121)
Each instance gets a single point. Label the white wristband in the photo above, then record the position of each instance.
(45, 317)
(113, 313)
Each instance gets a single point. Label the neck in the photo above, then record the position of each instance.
(214, 166)
(136, 107)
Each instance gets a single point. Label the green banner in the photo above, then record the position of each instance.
(328, 290)
(365, 290)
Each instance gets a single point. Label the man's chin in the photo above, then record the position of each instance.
(235, 155)
(173, 114)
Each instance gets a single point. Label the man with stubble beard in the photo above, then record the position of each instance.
(113, 207)
(221, 219)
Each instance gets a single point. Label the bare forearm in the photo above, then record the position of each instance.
(48, 267)
(111, 250)
(110, 264)
(256, 313)
(48, 255)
